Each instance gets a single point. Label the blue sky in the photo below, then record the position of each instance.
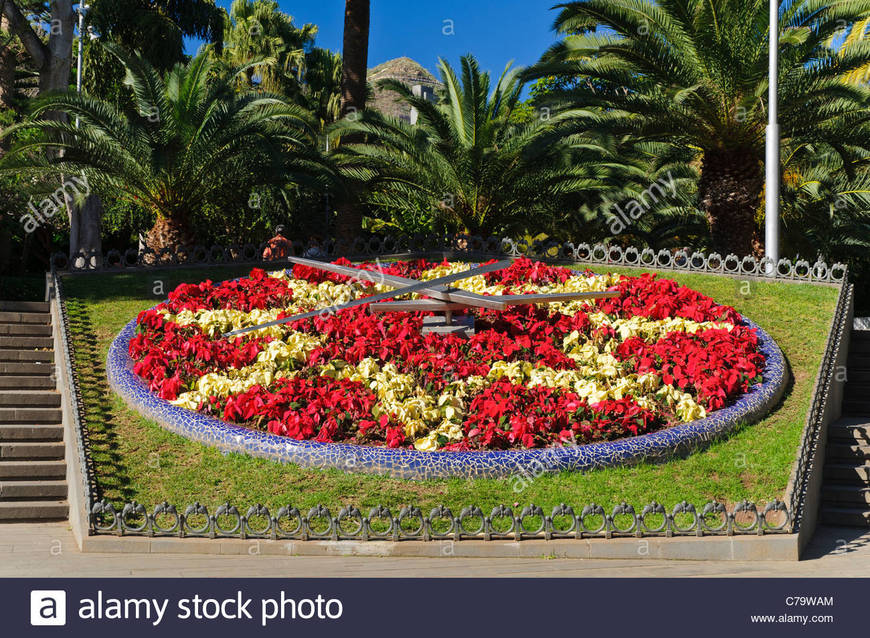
(494, 31)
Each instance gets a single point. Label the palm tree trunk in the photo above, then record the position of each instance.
(355, 53)
(169, 233)
(88, 239)
(730, 193)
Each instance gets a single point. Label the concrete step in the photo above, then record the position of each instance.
(48, 416)
(23, 432)
(34, 510)
(846, 516)
(25, 343)
(843, 452)
(24, 306)
(27, 382)
(42, 318)
(850, 430)
(27, 355)
(29, 398)
(847, 473)
(10, 490)
(32, 470)
(22, 451)
(832, 494)
(25, 329)
(26, 368)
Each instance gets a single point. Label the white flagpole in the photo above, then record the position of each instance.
(81, 12)
(771, 156)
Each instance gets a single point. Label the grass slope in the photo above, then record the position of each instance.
(136, 459)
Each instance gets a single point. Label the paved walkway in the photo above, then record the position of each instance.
(48, 550)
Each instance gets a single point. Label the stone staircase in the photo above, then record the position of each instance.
(846, 486)
(32, 467)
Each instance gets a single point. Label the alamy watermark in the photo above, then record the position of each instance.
(71, 189)
(621, 219)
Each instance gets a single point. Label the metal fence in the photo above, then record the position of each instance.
(465, 246)
(502, 522)
(818, 412)
(441, 523)
(72, 391)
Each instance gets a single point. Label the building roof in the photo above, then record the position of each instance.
(407, 71)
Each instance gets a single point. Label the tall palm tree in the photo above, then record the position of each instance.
(693, 73)
(188, 144)
(355, 54)
(466, 160)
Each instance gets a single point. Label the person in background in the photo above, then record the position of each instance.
(278, 247)
(314, 250)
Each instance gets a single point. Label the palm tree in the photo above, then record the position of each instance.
(257, 31)
(466, 160)
(355, 54)
(854, 35)
(188, 144)
(826, 215)
(826, 208)
(693, 73)
(660, 177)
(323, 70)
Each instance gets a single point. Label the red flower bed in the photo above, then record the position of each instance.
(532, 405)
(716, 364)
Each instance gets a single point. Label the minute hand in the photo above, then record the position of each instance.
(390, 294)
(456, 295)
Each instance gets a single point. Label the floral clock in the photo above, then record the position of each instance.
(658, 370)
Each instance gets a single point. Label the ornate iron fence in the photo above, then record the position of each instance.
(73, 392)
(563, 521)
(288, 523)
(467, 246)
(803, 467)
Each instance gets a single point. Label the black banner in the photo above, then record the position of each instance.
(433, 607)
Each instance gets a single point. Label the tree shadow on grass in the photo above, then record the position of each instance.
(111, 475)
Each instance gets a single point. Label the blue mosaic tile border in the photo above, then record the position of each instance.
(414, 464)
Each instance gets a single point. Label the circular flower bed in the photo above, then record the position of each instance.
(631, 368)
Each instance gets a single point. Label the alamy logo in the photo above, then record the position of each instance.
(71, 190)
(48, 607)
(618, 219)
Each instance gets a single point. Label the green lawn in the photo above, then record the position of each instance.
(136, 459)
